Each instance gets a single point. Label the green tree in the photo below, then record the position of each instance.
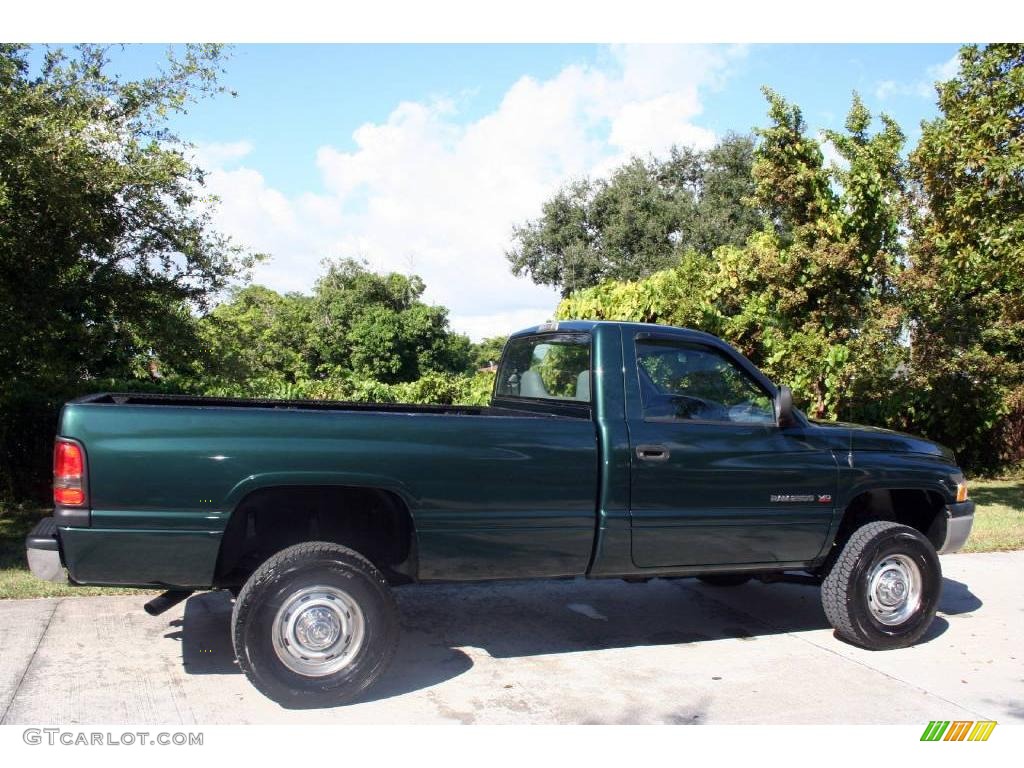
(357, 325)
(722, 183)
(883, 290)
(870, 216)
(107, 249)
(964, 289)
(487, 351)
(792, 186)
(873, 189)
(599, 230)
(377, 327)
(257, 334)
(810, 297)
(641, 219)
(106, 241)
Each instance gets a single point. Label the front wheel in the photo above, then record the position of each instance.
(315, 625)
(883, 589)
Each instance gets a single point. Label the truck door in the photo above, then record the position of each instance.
(714, 480)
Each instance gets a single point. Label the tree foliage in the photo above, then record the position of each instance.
(359, 336)
(723, 188)
(256, 334)
(806, 297)
(641, 219)
(105, 235)
(964, 289)
(356, 322)
(378, 327)
(487, 352)
(883, 290)
(106, 243)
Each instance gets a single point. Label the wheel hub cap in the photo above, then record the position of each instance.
(894, 589)
(318, 631)
(317, 628)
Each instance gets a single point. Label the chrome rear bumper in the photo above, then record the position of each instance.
(42, 549)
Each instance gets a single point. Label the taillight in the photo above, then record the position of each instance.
(68, 474)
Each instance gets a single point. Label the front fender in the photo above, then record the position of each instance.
(866, 471)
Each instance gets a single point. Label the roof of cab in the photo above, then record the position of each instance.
(589, 325)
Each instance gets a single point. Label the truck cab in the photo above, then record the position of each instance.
(706, 466)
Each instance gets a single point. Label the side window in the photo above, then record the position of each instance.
(690, 382)
(552, 367)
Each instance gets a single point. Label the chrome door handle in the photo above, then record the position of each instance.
(652, 453)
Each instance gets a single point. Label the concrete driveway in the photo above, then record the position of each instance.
(543, 652)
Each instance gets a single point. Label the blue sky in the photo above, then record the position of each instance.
(422, 157)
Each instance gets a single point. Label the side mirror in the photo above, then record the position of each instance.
(784, 406)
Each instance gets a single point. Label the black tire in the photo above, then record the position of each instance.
(724, 579)
(278, 580)
(848, 601)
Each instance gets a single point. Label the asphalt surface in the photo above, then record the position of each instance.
(542, 652)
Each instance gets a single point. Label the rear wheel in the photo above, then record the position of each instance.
(724, 579)
(315, 625)
(882, 590)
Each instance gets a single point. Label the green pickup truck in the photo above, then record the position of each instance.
(609, 450)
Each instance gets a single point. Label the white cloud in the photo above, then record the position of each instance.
(500, 323)
(659, 123)
(947, 70)
(885, 89)
(429, 192)
(889, 88)
(220, 154)
(923, 88)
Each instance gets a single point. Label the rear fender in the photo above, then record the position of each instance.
(356, 479)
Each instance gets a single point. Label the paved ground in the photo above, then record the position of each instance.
(543, 652)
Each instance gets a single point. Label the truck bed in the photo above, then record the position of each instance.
(493, 492)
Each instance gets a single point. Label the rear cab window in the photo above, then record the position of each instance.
(548, 368)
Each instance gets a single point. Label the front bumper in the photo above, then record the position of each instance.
(958, 521)
(42, 549)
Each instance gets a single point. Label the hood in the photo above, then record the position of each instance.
(864, 438)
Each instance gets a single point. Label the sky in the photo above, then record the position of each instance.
(421, 158)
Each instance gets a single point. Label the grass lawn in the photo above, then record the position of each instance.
(999, 516)
(998, 525)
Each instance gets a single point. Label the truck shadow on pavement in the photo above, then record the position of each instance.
(445, 626)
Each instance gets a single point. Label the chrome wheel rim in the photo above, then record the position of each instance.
(894, 589)
(318, 631)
